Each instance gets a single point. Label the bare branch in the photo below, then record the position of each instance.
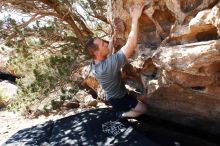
(34, 18)
(45, 12)
(104, 19)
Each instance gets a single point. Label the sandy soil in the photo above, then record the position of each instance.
(11, 122)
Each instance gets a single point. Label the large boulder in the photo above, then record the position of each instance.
(166, 20)
(177, 61)
(176, 66)
(8, 92)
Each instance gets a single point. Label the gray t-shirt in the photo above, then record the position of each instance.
(107, 72)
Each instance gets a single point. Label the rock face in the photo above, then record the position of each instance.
(177, 61)
(8, 92)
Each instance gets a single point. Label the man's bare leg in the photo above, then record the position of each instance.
(137, 111)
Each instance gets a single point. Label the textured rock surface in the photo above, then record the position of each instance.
(177, 63)
(178, 59)
(8, 92)
(168, 20)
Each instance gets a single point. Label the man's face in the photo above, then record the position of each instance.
(103, 50)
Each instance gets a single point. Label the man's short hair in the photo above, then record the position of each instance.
(91, 47)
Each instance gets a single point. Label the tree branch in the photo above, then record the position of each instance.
(61, 10)
(34, 18)
(104, 19)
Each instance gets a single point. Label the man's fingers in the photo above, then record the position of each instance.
(131, 9)
(142, 6)
(136, 10)
(137, 6)
(146, 7)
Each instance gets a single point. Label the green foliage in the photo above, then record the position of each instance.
(52, 73)
(62, 97)
(96, 12)
(42, 73)
(55, 104)
(45, 51)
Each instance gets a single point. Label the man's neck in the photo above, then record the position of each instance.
(97, 60)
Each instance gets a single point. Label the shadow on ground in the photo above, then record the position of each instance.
(101, 128)
(96, 127)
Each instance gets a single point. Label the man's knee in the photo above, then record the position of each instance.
(140, 107)
(144, 107)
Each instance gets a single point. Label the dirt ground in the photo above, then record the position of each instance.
(11, 122)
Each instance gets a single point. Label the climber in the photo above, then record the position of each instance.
(106, 68)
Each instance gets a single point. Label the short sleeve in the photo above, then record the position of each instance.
(116, 61)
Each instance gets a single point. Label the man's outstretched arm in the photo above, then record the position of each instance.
(131, 43)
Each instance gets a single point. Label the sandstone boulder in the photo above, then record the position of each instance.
(177, 61)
